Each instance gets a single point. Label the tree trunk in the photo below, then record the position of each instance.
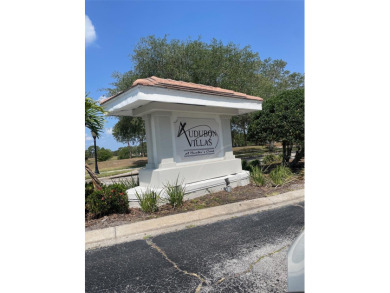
(97, 184)
(284, 154)
(245, 144)
(287, 148)
(131, 155)
(298, 156)
(271, 146)
(142, 148)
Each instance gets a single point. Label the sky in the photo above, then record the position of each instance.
(112, 29)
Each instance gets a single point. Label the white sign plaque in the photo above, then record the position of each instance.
(197, 139)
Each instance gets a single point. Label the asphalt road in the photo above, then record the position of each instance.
(245, 254)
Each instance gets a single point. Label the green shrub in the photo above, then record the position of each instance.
(104, 154)
(148, 200)
(245, 166)
(272, 159)
(254, 164)
(280, 174)
(109, 200)
(175, 193)
(88, 188)
(257, 176)
(124, 153)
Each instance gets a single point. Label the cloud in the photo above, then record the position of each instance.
(109, 130)
(90, 34)
(101, 98)
(87, 137)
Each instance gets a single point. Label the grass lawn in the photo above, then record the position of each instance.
(254, 151)
(115, 166)
(249, 151)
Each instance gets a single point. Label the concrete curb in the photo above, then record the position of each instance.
(154, 227)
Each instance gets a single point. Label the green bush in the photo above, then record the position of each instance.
(88, 189)
(124, 153)
(148, 200)
(257, 176)
(104, 154)
(272, 159)
(175, 193)
(254, 164)
(245, 166)
(109, 200)
(280, 174)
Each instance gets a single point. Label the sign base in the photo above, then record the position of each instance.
(195, 189)
(189, 173)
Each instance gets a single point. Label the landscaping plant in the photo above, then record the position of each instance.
(244, 165)
(280, 174)
(109, 200)
(272, 159)
(88, 189)
(148, 200)
(175, 193)
(254, 164)
(257, 176)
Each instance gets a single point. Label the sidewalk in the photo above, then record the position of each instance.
(144, 229)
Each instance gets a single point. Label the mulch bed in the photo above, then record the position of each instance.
(215, 199)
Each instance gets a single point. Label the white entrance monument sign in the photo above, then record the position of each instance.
(187, 132)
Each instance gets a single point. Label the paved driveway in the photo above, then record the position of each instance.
(245, 254)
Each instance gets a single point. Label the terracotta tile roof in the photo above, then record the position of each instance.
(187, 87)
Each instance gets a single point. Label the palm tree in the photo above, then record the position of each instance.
(94, 121)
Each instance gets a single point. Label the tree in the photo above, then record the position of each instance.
(94, 119)
(130, 130)
(216, 64)
(138, 149)
(237, 138)
(240, 126)
(274, 78)
(282, 119)
(90, 151)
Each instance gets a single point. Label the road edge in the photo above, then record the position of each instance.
(150, 228)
